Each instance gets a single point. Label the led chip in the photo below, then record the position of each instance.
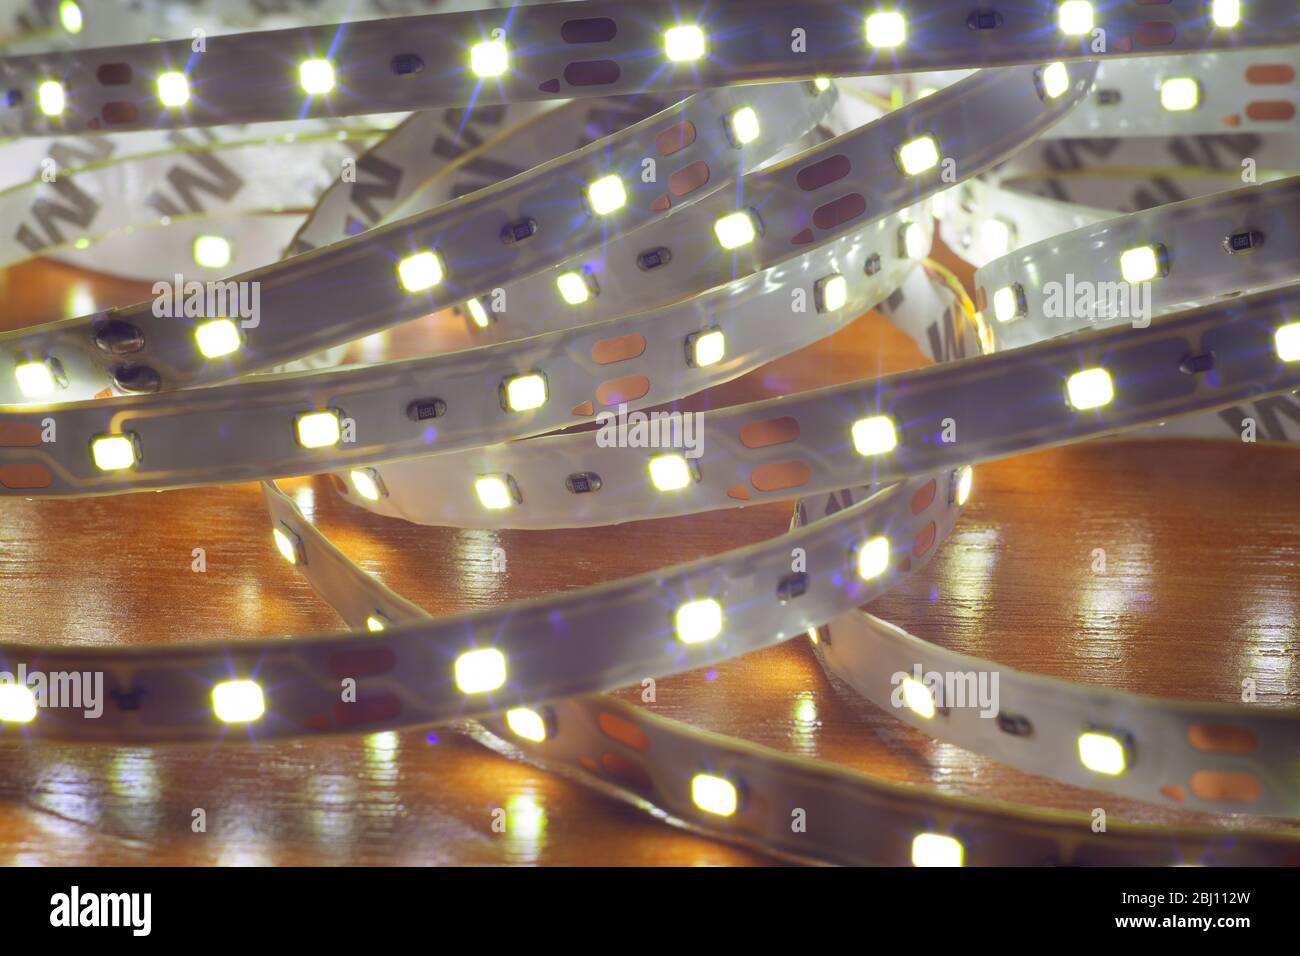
(17, 704)
(1102, 753)
(1287, 340)
(744, 126)
(1055, 79)
(706, 348)
(70, 16)
(1091, 388)
(289, 546)
(575, 287)
(113, 452)
(365, 481)
(1143, 263)
(965, 481)
(670, 472)
(318, 429)
(1008, 303)
(477, 313)
(918, 698)
(831, 293)
(918, 155)
(526, 723)
(735, 230)
(935, 849)
(37, 378)
(523, 393)
(238, 701)
(716, 795)
(489, 58)
(496, 492)
(316, 76)
(684, 43)
(699, 621)
(217, 338)
(212, 252)
(875, 435)
(606, 195)
(1179, 94)
(420, 271)
(886, 30)
(173, 89)
(997, 235)
(914, 244)
(51, 98)
(873, 558)
(375, 623)
(1226, 13)
(480, 671)
(1075, 17)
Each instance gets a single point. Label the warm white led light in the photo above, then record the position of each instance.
(489, 58)
(212, 252)
(316, 76)
(238, 701)
(1180, 93)
(287, 547)
(1102, 753)
(1075, 17)
(525, 392)
(480, 671)
(173, 89)
(670, 472)
(1056, 79)
(35, 379)
(51, 98)
(1006, 304)
(832, 293)
(1091, 388)
(997, 235)
(914, 240)
(744, 125)
(683, 44)
(113, 452)
(70, 16)
(606, 195)
(217, 338)
(708, 348)
(494, 492)
(420, 271)
(918, 155)
(821, 84)
(1226, 13)
(965, 481)
(699, 621)
(1287, 340)
(318, 429)
(1140, 264)
(365, 484)
(936, 849)
(875, 435)
(716, 795)
(573, 287)
(886, 30)
(526, 723)
(17, 704)
(918, 698)
(873, 558)
(375, 624)
(735, 230)
(477, 313)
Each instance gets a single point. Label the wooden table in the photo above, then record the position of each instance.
(1201, 591)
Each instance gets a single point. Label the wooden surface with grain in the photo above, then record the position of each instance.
(1200, 591)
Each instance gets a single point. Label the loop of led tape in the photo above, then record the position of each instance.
(685, 616)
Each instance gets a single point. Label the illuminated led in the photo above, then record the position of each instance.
(683, 44)
(36, 379)
(1287, 340)
(964, 482)
(1056, 80)
(821, 84)
(51, 97)
(494, 492)
(873, 558)
(113, 452)
(1075, 17)
(173, 89)
(375, 623)
(17, 704)
(875, 435)
(480, 671)
(420, 271)
(812, 635)
(918, 698)
(735, 230)
(363, 481)
(606, 195)
(886, 30)
(918, 155)
(238, 701)
(670, 472)
(1179, 94)
(477, 313)
(914, 242)
(1226, 13)
(1006, 303)
(318, 429)
(70, 16)
(699, 621)
(212, 252)
(832, 293)
(707, 348)
(527, 724)
(1141, 264)
(1102, 753)
(525, 392)
(997, 235)
(1091, 388)
(935, 849)
(217, 338)
(316, 76)
(715, 795)
(744, 125)
(286, 545)
(573, 287)
(489, 58)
